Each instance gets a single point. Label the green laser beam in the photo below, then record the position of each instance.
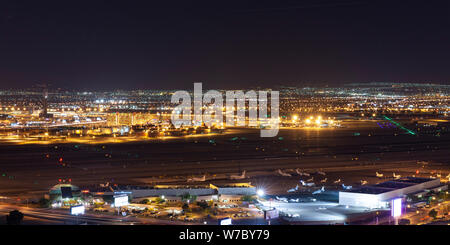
(399, 125)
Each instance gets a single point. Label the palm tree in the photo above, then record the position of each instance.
(433, 213)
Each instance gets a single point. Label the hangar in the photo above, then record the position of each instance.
(380, 195)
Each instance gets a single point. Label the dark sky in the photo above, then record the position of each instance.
(224, 44)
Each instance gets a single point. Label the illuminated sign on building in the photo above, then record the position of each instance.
(271, 214)
(120, 201)
(396, 207)
(225, 221)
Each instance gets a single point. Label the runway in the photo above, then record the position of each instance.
(32, 169)
(39, 216)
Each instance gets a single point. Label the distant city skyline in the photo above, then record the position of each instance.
(316, 86)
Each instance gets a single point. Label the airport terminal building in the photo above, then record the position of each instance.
(173, 193)
(380, 195)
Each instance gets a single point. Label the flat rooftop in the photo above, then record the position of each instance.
(234, 185)
(414, 180)
(118, 187)
(394, 185)
(390, 185)
(369, 190)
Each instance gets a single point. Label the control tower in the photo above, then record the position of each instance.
(44, 102)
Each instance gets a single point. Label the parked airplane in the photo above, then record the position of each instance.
(293, 189)
(194, 179)
(337, 181)
(281, 199)
(346, 187)
(379, 175)
(242, 176)
(319, 191)
(396, 176)
(309, 184)
(104, 185)
(299, 172)
(283, 173)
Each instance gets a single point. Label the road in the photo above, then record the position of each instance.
(60, 217)
(422, 216)
(415, 218)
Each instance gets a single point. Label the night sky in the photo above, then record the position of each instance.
(224, 44)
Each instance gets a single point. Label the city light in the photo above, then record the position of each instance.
(260, 192)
